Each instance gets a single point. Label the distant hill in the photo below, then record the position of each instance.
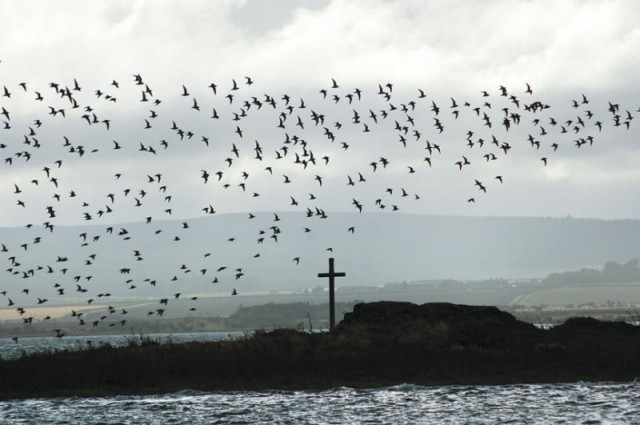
(389, 247)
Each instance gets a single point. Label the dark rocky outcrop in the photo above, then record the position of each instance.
(448, 324)
(392, 314)
(378, 344)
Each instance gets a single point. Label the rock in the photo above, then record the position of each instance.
(383, 313)
(465, 325)
(390, 313)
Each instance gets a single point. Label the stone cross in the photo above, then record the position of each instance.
(332, 301)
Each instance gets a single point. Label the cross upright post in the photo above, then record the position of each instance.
(332, 274)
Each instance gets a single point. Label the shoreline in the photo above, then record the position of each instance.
(378, 345)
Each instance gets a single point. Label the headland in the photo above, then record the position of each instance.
(378, 344)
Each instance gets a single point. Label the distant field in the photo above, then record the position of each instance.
(39, 313)
(141, 314)
(577, 295)
(210, 306)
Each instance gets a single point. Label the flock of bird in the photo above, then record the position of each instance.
(249, 146)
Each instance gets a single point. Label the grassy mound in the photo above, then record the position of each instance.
(378, 344)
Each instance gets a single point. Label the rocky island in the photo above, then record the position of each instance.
(378, 344)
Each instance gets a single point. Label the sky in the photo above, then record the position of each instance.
(454, 49)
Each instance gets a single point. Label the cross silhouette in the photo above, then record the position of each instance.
(332, 274)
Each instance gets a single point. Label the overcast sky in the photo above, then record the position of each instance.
(453, 49)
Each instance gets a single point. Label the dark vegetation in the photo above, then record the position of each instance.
(611, 272)
(300, 315)
(378, 344)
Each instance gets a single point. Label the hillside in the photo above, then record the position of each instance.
(383, 248)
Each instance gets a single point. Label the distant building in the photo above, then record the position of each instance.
(318, 290)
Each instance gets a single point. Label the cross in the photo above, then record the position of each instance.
(332, 301)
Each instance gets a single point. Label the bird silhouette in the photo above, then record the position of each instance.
(352, 145)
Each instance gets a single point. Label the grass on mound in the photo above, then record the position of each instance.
(359, 356)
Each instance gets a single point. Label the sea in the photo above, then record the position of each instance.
(570, 403)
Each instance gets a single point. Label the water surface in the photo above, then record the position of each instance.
(578, 403)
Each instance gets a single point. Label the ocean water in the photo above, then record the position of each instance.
(29, 345)
(578, 403)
